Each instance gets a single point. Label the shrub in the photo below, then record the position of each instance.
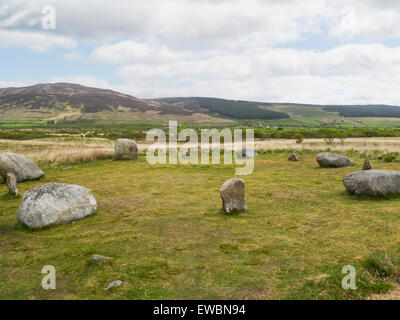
(389, 157)
(298, 137)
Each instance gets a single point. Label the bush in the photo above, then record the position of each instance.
(298, 137)
(389, 157)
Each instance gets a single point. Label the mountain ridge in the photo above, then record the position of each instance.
(69, 100)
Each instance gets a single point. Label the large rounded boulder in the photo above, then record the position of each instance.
(125, 149)
(55, 203)
(20, 166)
(373, 182)
(333, 160)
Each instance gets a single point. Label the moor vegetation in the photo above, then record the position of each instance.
(168, 238)
(383, 111)
(235, 109)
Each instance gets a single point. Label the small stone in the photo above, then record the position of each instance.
(99, 257)
(64, 169)
(246, 154)
(185, 154)
(293, 157)
(113, 284)
(11, 182)
(367, 164)
(233, 195)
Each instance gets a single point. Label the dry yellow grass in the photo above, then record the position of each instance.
(361, 144)
(55, 151)
(52, 152)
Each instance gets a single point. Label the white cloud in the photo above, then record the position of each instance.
(135, 52)
(244, 49)
(373, 59)
(367, 20)
(34, 40)
(183, 24)
(3, 9)
(356, 73)
(188, 24)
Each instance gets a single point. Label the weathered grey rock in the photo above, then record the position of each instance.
(125, 149)
(55, 203)
(233, 195)
(20, 166)
(11, 182)
(99, 257)
(333, 160)
(113, 284)
(373, 182)
(293, 157)
(246, 154)
(367, 164)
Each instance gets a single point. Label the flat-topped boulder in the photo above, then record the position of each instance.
(55, 203)
(126, 149)
(333, 160)
(20, 166)
(233, 196)
(373, 182)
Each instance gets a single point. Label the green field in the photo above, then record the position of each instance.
(168, 238)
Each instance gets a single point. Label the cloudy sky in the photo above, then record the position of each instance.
(308, 51)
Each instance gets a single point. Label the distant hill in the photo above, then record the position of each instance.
(68, 96)
(67, 101)
(375, 110)
(236, 109)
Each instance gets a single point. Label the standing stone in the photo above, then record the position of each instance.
(20, 166)
(125, 149)
(293, 157)
(55, 203)
(333, 160)
(11, 182)
(233, 196)
(367, 164)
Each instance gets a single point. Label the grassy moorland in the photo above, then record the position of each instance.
(168, 238)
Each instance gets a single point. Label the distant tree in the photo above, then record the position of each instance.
(298, 137)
